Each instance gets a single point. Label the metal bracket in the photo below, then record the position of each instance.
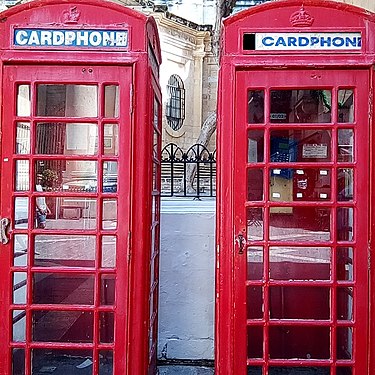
(4, 224)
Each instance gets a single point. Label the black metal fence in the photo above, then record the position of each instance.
(190, 173)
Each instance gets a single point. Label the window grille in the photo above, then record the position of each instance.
(175, 110)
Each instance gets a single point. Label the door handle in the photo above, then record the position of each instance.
(4, 224)
(241, 242)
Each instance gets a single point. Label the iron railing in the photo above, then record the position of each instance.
(190, 173)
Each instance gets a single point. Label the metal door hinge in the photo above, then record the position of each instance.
(368, 256)
(131, 98)
(4, 224)
(129, 246)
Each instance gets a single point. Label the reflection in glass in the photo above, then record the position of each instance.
(72, 362)
(254, 224)
(345, 184)
(105, 362)
(302, 145)
(255, 342)
(344, 337)
(255, 146)
(300, 263)
(62, 326)
(344, 265)
(316, 347)
(23, 138)
(107, 327)
(59, 100)
(110, 169)
(255, 184)
(107, 290)
(22, 175)
(111, 101)
(111, 139)
(254, 370)
(345, 224)
(313, 302)
(306, 370)
(20, 248)
(58, 138)
(345, 106)
(301, 106)
(23, 100)
(108, 251)
(255, 105)
(21, 212)
(345, 151)
(300, 224)
(19, 326)
(254, 263)
(109, 214)
(254, 302)
(18, 361)
(59, 288)
(345, 303)
(19, 288)
(70, 213)
(64, 251)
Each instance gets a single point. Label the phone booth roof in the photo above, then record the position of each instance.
(294, 27)
(78, 25)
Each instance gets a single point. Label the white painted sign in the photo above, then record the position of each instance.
(70, 38)
(307, 41)
(314, 151)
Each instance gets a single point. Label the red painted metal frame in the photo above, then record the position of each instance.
(234, 80)
(137, 71)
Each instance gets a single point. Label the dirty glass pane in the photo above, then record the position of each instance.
(111, 139)
(254, 263)
(62, 326)
(111, 101)
(107, 327)
(345, 151)
(23, 138)
(20, 249)
(58, 138)
(255, 224)
(108, 251)
(23, 100)
(22, 175)
(255, 342)
(21, 212)
(105, 362)
(345, 106)
(313, 302)
(300, 224)
(344, 338)
(300, 263)
(255, 185)
(59, 361)
(255, 146)
(19, 326)
(287, 185)
(109, 221)
(107, 290)
(302, 145)
(345, 224)
(64, 251)
(254, 303)
(344, 264)
(19, 288)
(345, 303)
(110, 169)
(301, 106)
(18, 361)
(345, 184)
(316, 347)
(255, 106)
(59, 100)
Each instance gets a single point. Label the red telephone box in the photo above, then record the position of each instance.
(295, 220)
(80, 172)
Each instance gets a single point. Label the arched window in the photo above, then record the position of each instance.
(175, 110)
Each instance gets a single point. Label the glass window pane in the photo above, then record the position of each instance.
(345, 106)
(344, 337)
(111, 139)
(255, 185)
(302, 145)
(107, 290)
(313, 302)
(306, 370)
(19, 326)
(106, 327)
(58, 138)
(345, 303)
(344, 371)
(345, 224)
(62, 326)
(255, 146)
(344, 265)
(345, 151)
(109, 251)
(301, 106)
(300, 224)
(254, 342)
(345, 184)
(64, 251)
(59, 288)
(19, 288)
(22, 175)
(21, 212)
(255, 224)
(23, 100)
(254, 263)
(105, 362)
(23, 138)
(254, 370)
(254, 303)
(300, 263)
(109, 214)
(111, 101)
(20, 249)
(18, 361)
(110, 169)
(59, 100)
(316, 347)
(255, 106)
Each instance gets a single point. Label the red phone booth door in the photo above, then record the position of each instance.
(301, 181)
(63, 269)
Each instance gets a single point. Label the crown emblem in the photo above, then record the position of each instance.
(72, 15)
(301, 18)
